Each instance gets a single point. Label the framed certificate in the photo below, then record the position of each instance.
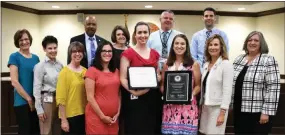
(142, 78)
(177, 87)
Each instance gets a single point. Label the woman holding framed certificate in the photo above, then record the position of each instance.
(217, 80)
(181, 118)
(141, 108)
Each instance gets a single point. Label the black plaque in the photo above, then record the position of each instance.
(177, 87)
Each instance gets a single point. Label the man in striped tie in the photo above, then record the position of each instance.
(199, 38)
(161, 39)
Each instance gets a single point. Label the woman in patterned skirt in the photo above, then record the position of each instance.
(181, 119)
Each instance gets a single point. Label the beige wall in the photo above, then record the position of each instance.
(66, 26)
(12, 21)
(272, 27)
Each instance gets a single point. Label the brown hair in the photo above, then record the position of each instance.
(187, 59)
(135, 30)
(18, 35)
(223, 48)
(209, 9)
(75, 46)
(98, 59)
(263, 45)
(125, 32)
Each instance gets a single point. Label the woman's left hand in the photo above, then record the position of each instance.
(220, 119)
(264, 118)
(115, 117)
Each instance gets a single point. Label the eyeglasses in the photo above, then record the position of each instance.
(106, 51)
(75, 51)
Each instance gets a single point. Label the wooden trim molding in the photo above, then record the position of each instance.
(5, 74)
(105, 11)
(282, 76)
(112, 11)
(19, 8)
(271, 12)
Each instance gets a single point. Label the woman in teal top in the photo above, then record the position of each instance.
(21, 65)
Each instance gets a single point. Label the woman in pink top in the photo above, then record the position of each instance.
(181, 119)
(102, 88)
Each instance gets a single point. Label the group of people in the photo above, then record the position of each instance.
(91, 94)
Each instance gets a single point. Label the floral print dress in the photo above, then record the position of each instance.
(180, 119)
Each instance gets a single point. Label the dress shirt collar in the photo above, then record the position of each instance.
(87, 37)
(47, 59)
(213, 29)
(161, 31)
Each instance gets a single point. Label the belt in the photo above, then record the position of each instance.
(43, 92)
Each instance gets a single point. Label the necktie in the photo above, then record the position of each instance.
(93, 49)
(164, 45)
(208, 33)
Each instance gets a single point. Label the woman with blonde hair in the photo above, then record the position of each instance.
(217, 79)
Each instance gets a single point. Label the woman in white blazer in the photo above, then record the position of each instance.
(216, 84)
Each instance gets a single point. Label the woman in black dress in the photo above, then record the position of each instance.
(120, 37)
(142, 113)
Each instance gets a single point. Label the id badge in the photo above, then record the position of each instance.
(161, 62)
(48, 98)
(134, 97)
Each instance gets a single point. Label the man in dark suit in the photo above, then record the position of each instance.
(90, 40)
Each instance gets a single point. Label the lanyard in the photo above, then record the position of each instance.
(167, 37)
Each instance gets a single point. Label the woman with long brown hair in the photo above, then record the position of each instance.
(142, 106)
(181, 119)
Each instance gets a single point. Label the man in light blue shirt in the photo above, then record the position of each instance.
(161, 39)
(197, 47)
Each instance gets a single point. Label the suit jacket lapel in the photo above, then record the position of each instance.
(205, 69)
(98, 40)
(84, 60)
(83, 41)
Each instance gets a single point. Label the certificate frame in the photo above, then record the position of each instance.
(146, 74)
(177, 87)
